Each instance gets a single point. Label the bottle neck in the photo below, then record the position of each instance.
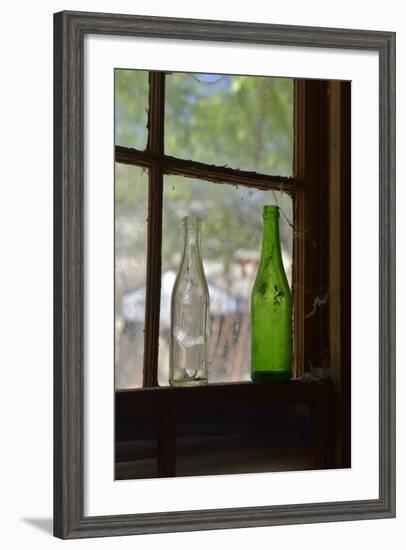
(191, 251)
(192, 235)
(271, 246)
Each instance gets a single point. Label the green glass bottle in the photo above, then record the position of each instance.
(271, 308)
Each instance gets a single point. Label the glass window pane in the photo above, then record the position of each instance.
(245, 122)
(131, 206)
(131, 108)
(231, 238)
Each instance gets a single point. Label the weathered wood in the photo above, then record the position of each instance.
(156, 121)
(135, 157)
(323, 436)
(166, 451)
(224, 174)
(163, 406)
(340, 264)
(207, 172)
(316, 225)
(149, 401)
(298, 290)
(345, 254)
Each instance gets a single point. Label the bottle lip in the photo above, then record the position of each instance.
(271, 209)
(191, 220)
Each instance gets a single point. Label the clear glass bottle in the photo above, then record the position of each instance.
(271, 308)
(188, 362)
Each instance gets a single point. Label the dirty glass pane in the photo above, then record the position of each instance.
(131, 203)
(231, 237)
(244, 122)
(131, 108)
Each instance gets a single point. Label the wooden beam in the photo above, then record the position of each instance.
(207, 172)
(135, 157)
(162, 407)
(340, 265)
(153, 288)
(211, 397)
(223, 174)
(316, 224)
(335, 236)
(298, 230)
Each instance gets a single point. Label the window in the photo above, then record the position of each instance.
(222, 146)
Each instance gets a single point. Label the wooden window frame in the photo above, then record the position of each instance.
(158, 164)
(71, 28)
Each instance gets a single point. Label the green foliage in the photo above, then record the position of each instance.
(241, 121)
(131, 108)
(231, 217)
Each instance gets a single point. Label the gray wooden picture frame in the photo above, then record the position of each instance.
(69, 31)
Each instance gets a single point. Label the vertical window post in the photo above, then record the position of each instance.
(156, 121)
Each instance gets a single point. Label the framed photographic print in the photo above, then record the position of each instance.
(224, 274)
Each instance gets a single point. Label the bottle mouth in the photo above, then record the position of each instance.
(270, 210)
(191, 220)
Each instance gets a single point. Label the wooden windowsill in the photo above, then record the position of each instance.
(164, 407)
(146, 401)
